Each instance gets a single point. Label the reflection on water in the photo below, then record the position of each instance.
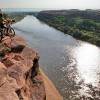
(88, 68)
(88, 62)
(72, 65)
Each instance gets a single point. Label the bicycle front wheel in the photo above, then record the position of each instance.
(11, 32)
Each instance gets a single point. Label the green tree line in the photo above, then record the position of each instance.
(83, 29)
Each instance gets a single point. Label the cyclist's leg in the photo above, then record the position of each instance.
(2, 29)
(1, 35)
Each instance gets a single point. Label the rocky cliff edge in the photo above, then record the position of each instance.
(20, 77)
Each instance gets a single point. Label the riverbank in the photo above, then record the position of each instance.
(51, 91)
(20, 76)
(80, 27)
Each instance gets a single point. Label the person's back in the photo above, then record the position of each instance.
(1, 26)
(1, 20)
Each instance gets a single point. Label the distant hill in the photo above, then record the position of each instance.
(74, 13)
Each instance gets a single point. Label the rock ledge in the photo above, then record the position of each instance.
(20, 77)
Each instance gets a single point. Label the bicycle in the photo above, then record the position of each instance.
(7, 30)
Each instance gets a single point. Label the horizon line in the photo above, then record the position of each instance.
(49, 8)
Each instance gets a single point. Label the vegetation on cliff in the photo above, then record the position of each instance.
(75, 23)
(17, 16)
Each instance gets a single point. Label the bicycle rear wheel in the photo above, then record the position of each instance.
(11, 32)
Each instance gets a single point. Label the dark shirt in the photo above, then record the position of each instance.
(1, 22)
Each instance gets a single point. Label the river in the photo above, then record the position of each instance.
(72, 65)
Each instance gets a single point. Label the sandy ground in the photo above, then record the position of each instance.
(51, 91)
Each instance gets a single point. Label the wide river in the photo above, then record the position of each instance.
(72, 65)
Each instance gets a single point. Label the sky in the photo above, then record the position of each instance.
(61, 4)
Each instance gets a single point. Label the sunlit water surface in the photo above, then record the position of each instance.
(72, 65)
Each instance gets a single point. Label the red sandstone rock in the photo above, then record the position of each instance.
(20, 78)
(3, 74)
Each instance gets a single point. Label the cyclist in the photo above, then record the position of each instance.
(2, 21)
(5, 26)
(1, 24)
